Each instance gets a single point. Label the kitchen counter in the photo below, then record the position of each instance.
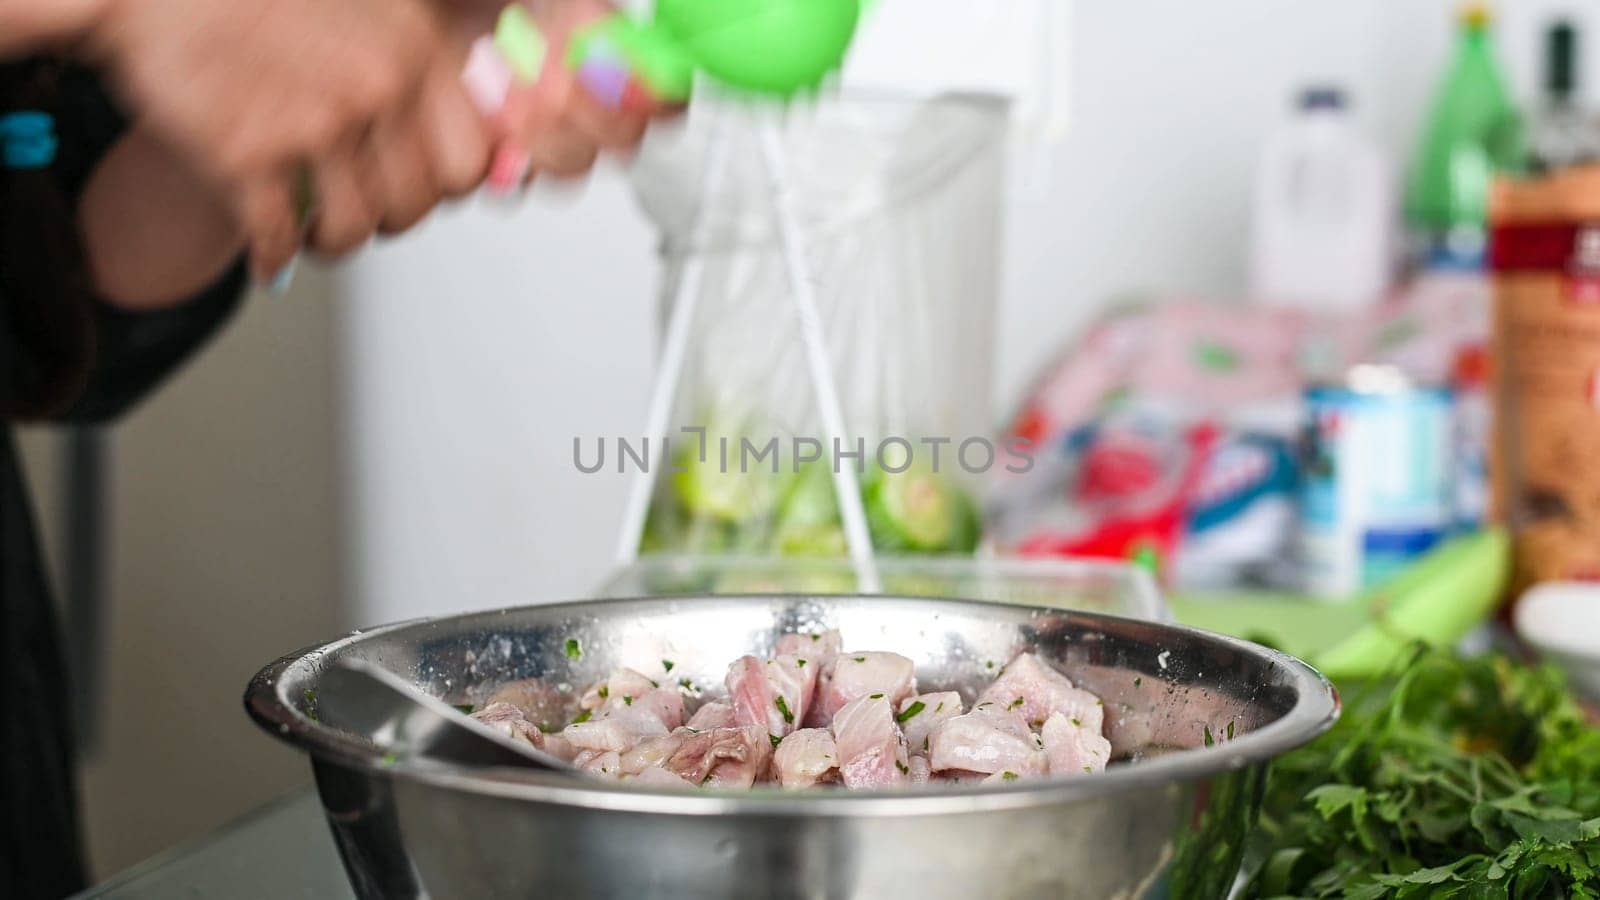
(281, 851)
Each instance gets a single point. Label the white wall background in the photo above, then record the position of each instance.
(476, 349)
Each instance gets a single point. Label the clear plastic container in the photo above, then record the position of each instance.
(1093, 585)
(898, 206)
(1324, 209)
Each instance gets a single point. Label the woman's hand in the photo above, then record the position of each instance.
(138, 258)
(554, 126)
(359, 97)
(26, 26)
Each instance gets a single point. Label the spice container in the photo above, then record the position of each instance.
(1545, 256)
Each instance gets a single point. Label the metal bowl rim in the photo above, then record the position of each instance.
(1316, 709)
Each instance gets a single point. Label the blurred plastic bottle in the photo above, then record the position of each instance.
(1323, 212)
(1474, 427)
(1562, 135)
(1472, 133)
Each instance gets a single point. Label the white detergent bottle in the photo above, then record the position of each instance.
(1324, 213)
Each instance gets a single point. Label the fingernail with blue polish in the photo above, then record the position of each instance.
(280, 282)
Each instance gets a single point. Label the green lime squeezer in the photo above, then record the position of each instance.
(771, 47)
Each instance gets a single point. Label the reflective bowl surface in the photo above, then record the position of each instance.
(1193, 718)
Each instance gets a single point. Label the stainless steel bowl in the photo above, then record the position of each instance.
(1193, 718)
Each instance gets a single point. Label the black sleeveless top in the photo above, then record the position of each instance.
(40, 853)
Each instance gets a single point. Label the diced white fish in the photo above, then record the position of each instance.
(621, 725)
(920, 772)
(806, 757)
(694, 756)
(605, 763)
(665, 704)
(750, 761)
(623, 683)
(1072, 747)
(542, 704)
(871, 751)
(812, 715)
(653, 752)
(715, 714)
(510, 721)
(920, 714)
(793, 677)
(751, 696)
(986, 740)
(774, 693)
(1031, 686)
(852, 675)
(815, 647)
(1005, 776)
(617, 730)
(657, 777)
(558, 746)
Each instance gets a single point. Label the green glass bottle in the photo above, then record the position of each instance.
(1472, 134)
